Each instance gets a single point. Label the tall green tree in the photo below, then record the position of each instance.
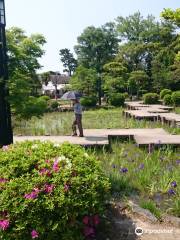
(68, 60)
(114, 77)
(23, 53)
(84, 80)
(173, 16)
(137, 80)
(97, 46)
(144, 39)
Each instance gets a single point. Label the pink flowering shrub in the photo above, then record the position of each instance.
(50, 192)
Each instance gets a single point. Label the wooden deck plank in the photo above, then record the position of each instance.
(158, 140)
(88, 140)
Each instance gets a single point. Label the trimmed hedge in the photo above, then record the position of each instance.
(49, 192)
(45, 97)
(164, 92)
(117, 99)
(126, 95)
(176, 98)
(167, 99)
(150, 98)
(88, 101)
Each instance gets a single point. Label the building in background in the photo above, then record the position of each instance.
(56, 84)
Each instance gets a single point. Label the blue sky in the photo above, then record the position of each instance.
(62, 21)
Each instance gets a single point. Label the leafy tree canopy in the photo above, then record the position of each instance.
(68, 60)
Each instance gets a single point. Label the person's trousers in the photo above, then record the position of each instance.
(78, 122)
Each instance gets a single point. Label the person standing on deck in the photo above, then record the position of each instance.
(78, 118)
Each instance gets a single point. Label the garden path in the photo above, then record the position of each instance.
(101, 137)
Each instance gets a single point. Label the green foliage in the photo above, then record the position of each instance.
(49, 188)
(150, 98)
(137, 80)
(24, 51)
(150, 205)
(32, 107)
(46, 98)
(60, 123)
(117, 99)
(148, 177)
(136, 28)
(176, 98)
(167, 100)
(114, 77)
(97, 46)
(23, 54)
(54, 105)
(173, 16)
(165, 92)
(142, 92)
(68, 60)
(88, 101)
(84, 80)
(22, 103)
(126, 95)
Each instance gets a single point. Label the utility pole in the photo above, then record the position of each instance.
(6, 135)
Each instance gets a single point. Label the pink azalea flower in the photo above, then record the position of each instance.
(96, 219)
(89, 231)
(86, 220)
(4, 224)
(66, 188)
(45, 171)
(47, 161)
(56, 166)
(36, 190)
(33, 194)
(34, 234)
(48, 188)
(3, 180)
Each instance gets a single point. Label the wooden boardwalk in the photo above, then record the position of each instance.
(158, 140)
(86, 141)
(101, 137)
(154, 112)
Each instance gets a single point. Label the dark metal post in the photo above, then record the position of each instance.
(6, 135)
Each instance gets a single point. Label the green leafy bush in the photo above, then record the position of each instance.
(33, 107)
(142, 91)
(88, 101)
(176, 98)
(164, 92)
(45, 97)
(117, 99)
(54, 105)
(126, 95)
(167, 99)
(150, 98)
(49, 192)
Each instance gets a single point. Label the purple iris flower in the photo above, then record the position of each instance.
(124, 170)
(141, 166)
(171, 192)
(177, 161)
(174, 184)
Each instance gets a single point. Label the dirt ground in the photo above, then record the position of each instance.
(123, 225)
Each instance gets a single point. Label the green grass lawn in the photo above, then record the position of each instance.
(59, 123)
